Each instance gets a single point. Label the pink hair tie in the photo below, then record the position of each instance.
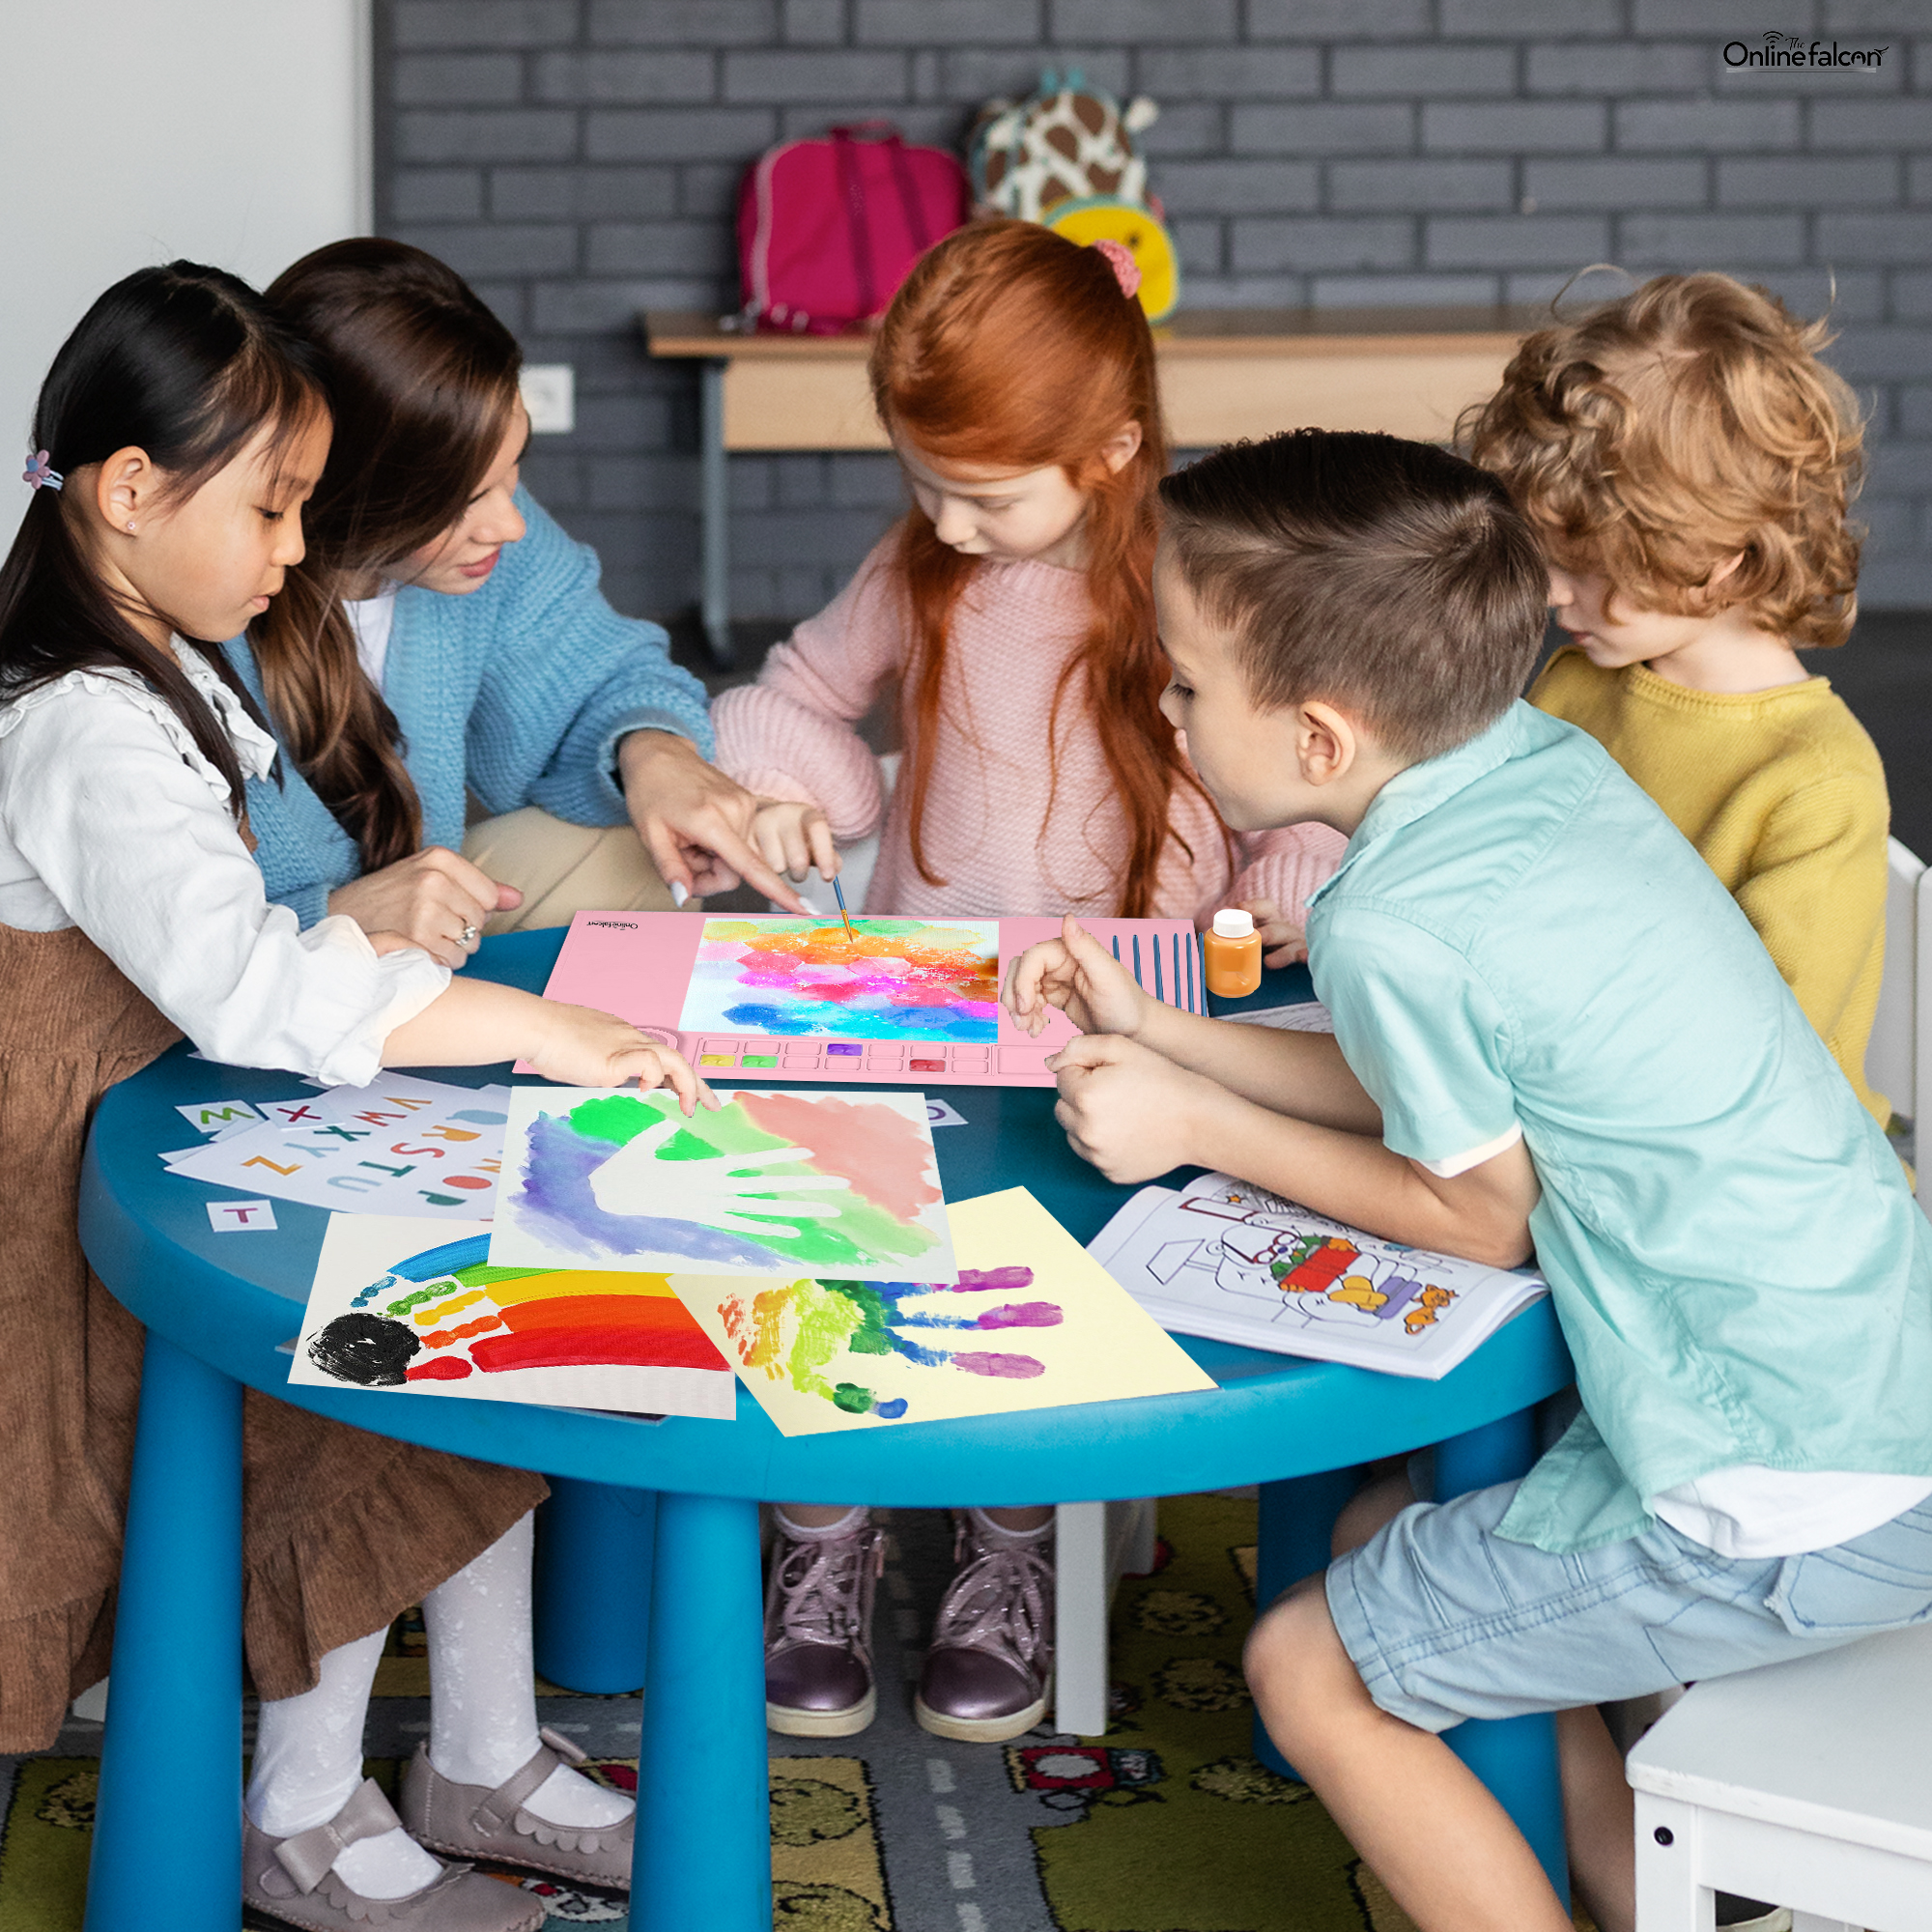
(1120, 259)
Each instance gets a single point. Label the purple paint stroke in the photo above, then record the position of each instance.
(555, 1202)
(979, 1281)
(1017, 1368)
(1021, 1315)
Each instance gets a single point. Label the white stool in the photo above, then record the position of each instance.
(1808, 1783)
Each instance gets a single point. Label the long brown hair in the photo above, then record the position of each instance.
(423, 379)
(1010, 347)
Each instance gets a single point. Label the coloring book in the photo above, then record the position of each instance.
(399, 1146)
(836, 1183)
(1229, 1260)
(396, 1305)
(1032, 1322)
(913, 1001)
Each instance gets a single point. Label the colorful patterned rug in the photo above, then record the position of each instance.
(1166, 1824)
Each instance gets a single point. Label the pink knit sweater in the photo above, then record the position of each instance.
(988, 832)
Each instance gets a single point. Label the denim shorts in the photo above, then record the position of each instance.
(1447, 1620)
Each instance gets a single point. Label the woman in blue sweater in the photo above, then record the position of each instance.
(445, 641)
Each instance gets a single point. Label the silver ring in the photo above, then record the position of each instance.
(470, 935)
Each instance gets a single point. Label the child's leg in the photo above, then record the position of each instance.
(825, 1566)
(308, 1762)
(1599, 1819)
(1446, 1850)
(482, 1675)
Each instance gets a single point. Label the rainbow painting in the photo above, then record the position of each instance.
(384, 1312)
(1032, 1322)
(892, 978)
(840, 1185)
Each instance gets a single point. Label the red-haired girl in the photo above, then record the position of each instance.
(1015, 375)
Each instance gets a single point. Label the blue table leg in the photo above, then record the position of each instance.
(705, 1847)
(167, 1834)
(593, 1585)
(1516, 1757)
(1296, 1521)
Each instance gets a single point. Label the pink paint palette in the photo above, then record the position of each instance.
(641, 966)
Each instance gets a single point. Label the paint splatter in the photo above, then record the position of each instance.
(900, 979)
(882, 1156)
(798, 1331)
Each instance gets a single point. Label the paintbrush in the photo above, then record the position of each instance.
(839, 892)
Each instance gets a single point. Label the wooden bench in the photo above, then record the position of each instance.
(1225, 373)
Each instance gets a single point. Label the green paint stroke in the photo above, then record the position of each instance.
(863, 1235)
(827, 1320)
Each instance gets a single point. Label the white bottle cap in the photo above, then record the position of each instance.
(1234, 925)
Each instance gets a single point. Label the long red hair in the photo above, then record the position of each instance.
(1010, 347)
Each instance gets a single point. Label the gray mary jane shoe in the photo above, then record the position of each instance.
(289, 1879)
(474, 1822)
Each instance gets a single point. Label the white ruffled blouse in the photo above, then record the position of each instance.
(112, 820)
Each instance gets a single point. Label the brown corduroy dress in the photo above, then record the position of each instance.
(341, 1529)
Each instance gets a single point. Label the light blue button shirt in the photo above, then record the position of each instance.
(1519, 936)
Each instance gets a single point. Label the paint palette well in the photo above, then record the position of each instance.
(833, 1184)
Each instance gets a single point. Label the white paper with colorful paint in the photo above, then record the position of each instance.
(399, 1306)
(771, 1182)
(1229, 1260)
(398, 1146)
(1032, 1322)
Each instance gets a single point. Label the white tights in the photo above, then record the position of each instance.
(483, 1723)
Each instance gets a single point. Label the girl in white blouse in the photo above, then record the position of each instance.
(177, 436)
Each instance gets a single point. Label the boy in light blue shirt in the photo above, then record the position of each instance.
(1554, 1031)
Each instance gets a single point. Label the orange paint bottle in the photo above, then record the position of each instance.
(1233, 954)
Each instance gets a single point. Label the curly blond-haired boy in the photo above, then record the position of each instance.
(1690, 463)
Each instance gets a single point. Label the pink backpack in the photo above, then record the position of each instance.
(828, 229)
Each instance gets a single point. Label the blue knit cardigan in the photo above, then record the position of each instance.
(519, 692)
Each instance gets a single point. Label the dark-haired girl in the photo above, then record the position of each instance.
(446, 645)
(176, 437)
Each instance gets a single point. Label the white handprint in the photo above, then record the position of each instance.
(731, 1191)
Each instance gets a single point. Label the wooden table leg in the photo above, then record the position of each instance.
(1295, 1522)
(714, 512)
(1516, 1757)
(593, 1585)
(167, 1833)
(704, 1848)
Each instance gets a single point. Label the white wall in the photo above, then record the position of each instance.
(231, 131)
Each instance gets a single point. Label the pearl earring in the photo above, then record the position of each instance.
(131, 523)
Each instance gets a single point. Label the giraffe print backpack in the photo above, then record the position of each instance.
(1066, 142)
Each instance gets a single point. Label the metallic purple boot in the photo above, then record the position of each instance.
(818, 1629)
(987, 1675)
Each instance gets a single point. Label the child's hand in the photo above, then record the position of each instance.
(1283, 942)
(793, 837)
(581, 1047)
(1079, 976)
(1126, 1108)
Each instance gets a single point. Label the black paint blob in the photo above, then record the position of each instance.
(370, 1350)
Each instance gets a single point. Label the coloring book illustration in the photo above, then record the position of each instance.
(836, 1183)
(898, 979)
(1032, 1322)
(398, 1146)
(394, 1308)
(1227, 1259)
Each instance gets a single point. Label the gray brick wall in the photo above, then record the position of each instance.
(579, 160)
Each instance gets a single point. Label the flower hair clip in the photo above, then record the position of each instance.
(1119, 258)
(37, 476)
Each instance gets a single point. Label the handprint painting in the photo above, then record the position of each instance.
(1032, 1322)
(898, 978)
(832, 1185)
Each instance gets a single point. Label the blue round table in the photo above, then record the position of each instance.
(218, 1305)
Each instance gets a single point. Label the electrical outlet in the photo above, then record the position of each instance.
(550, 394)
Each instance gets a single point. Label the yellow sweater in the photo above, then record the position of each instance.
(1783, 795)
